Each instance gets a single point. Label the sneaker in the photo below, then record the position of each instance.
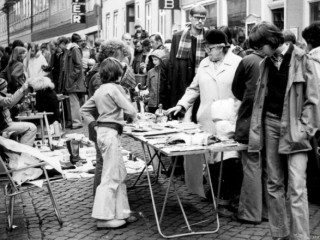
(110, 224)
(131, 219)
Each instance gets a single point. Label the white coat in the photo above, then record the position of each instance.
(211, 87)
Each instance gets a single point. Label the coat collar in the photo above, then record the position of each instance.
(226, 63)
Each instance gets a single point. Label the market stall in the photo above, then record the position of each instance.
(173, 139)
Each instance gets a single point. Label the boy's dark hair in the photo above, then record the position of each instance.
(62, 40)
(312, 34)
(289, 36)
(75, 38)
(110, 70)
(198, 9)
(265, 33)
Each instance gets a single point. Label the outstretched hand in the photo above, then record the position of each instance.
(175, 110)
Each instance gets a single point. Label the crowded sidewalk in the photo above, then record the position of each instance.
(35, 219)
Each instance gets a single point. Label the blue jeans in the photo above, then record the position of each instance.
(297, 191)
(253, 197)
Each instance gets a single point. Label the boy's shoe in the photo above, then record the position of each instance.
(110, 224)
(131, 219)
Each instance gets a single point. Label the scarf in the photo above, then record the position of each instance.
(185, 46)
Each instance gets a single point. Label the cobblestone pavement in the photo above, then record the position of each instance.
(35, 218)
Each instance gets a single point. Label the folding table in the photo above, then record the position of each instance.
(200, 150)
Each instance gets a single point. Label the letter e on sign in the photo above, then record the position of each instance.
(76, 8)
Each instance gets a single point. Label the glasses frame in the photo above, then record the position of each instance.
(198, 18)
(209, 49)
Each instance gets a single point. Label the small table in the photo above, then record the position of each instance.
(201, 150)
(38, 116)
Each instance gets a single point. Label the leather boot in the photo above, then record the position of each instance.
(73, 147)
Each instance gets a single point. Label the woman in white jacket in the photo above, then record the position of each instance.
(212, 83)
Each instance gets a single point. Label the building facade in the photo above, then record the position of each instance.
(43, 20)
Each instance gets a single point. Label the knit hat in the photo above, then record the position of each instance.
(214, 36)
(3, 84)
(76, 38)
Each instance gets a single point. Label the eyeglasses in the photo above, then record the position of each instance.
(197, 18)
(215, 47)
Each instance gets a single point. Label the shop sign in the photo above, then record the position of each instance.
(78, 11)
(169, 4)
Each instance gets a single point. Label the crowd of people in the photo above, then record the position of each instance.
(270, 81)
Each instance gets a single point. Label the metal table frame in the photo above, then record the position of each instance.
(145, 144)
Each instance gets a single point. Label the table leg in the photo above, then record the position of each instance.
(179, 201)
(42, 130)
(220, 179)
(150, 161)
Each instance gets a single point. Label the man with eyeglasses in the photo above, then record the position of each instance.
(187, 51)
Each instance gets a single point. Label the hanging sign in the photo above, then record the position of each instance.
(169, 4)
(78, 11)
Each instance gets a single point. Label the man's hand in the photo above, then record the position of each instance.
(175, 110)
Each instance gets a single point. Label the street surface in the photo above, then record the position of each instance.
(35, 218)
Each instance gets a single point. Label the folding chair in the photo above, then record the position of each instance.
(11, 189)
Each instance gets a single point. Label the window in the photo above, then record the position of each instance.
(62, 5)
(278, 17)
(115, 24)
(315, 12)
(236, 13)
(138, 10)
(162, 22)
(54, 6)
(108, 26)
(148, 17)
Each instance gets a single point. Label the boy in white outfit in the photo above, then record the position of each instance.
(111, 206)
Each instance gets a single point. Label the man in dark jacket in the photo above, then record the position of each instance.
(74, 84)
(187, 51)
(252, 206)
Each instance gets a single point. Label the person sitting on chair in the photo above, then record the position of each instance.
(25, 129)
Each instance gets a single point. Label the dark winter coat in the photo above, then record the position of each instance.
(181, 72)
(243, 88)
(74, 75)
